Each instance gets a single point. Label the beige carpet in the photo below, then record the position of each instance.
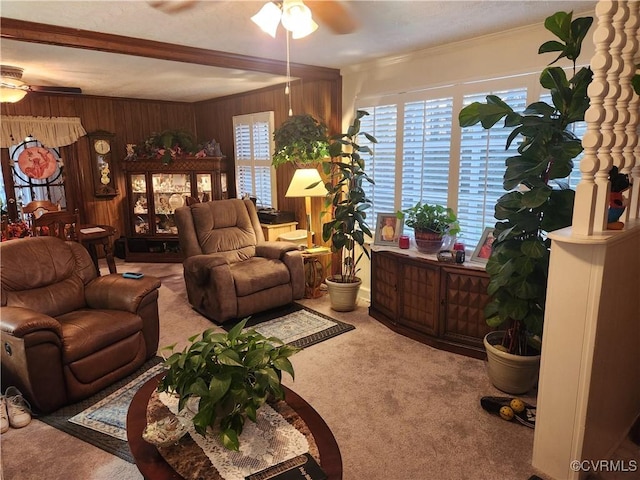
(399, 410)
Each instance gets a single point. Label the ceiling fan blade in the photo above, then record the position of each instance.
(47, 89)
(334, 15)
(172, 6)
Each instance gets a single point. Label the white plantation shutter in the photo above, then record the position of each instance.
(253, 147)
(426, 151)
(482, 166)
(381, 166)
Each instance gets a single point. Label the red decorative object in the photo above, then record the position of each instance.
(403, 241)
(16, 230)
(37, 162)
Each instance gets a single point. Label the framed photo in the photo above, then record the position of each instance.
(483, 249)
(388, 229)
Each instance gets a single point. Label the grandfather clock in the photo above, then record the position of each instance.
(101, 147)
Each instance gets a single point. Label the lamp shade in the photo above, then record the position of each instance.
(12, 88)
(268, 18)
(296, 17)
(302, 179)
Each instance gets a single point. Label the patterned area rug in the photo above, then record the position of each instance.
(296, 325)
(109, 415)
(101, 419)
(105, 413)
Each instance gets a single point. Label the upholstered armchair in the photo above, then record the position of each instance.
(229, 270)
(67, 333)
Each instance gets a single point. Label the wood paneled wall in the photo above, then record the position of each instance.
(132, 121)
(320, 98)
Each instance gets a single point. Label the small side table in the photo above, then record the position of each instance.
(314, 270)
(272, 231)
(101, 235)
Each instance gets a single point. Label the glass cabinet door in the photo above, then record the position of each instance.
(205, 192)
(170, 191)
(140, 206)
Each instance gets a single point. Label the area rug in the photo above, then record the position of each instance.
(296, 325)
(101, 419)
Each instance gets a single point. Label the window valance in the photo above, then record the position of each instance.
(50, 131)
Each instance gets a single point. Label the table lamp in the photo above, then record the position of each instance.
(299, 187)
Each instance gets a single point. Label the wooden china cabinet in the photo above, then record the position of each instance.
(439, 304)
(155, 191)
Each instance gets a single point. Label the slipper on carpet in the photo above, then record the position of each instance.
(510, 408)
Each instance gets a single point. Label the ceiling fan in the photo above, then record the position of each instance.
(13, 89)
(332, 13)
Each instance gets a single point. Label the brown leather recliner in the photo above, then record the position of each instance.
(67, 333)
(229, 270)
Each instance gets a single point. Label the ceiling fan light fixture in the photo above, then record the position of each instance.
(296, 17)
(12, 88)
(268, 18)
(304, 30)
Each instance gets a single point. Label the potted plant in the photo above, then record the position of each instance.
(430, 223)
(348, 200)
(537, 201)
(230, 374)
(166, 146)
(301, 139)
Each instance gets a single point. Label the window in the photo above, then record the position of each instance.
(381, 166)
(482, 165)
(426, 147)
(253, 135)
(425, 156)
(29, 180)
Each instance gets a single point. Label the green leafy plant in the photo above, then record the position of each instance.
(232, 374)
(301, 139)
(348, 225)
(167, 146)
(436, 218)
(537, 201)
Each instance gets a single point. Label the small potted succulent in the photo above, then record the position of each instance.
(430, 223)
(230, 375)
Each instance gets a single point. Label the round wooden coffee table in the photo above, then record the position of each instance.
(154, 467)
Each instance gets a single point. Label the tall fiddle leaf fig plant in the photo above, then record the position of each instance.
(537, 199)
(348, 225)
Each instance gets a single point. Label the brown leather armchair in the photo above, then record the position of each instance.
(229, 270)
(67, 333)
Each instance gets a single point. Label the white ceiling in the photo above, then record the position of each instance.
(386, 28)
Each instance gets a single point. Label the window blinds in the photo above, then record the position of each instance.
(253, 147)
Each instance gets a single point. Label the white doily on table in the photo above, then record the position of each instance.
(268, 442)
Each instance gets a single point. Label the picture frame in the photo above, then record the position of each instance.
(482, 251)
(384, 236)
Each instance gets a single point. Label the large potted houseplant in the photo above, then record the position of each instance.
(537, 201)
(302, 140)
(230, 375)
(430, 223)
(349, 203)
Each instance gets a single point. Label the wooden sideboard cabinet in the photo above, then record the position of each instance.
(439, 304)
(155, 191)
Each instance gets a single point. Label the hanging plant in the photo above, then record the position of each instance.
(301, 139)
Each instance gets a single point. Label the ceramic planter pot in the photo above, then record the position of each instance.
(343, 296)
(514, 374)
(428, 241)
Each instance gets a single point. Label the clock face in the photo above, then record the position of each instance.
(102, 146)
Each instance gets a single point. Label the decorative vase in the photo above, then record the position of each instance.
(343, 296)
(514, 374)
(428, 241)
